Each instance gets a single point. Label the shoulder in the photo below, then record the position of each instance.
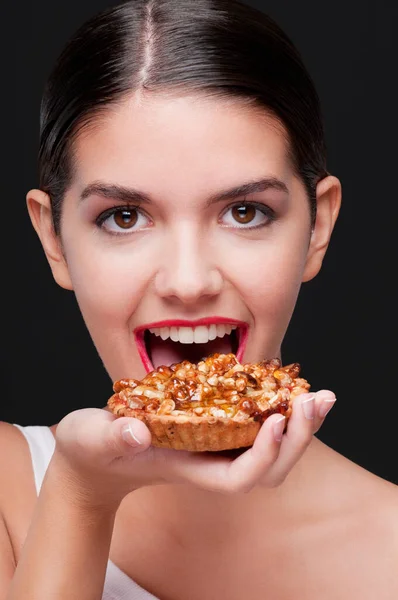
(17, 487)
(356, 549)
(359, 557)
(15, 463)
(11, 440)
(386, 507)
(378, 503)
(377, 543)
(369, 536)
(380, 517)
(352, 494)
(13, 448)
(371, 500)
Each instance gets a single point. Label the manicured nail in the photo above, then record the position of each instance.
(129, 437)
(326, 406)
(278, 428)
(309, 407)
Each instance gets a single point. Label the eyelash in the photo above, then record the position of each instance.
(263, 208)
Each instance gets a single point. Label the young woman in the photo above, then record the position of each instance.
(183, 178)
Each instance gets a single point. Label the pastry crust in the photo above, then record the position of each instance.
(217, 404)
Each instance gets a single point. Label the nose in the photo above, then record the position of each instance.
(188, 273)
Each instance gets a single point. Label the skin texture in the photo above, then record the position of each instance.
(183, 263)
(191, 261)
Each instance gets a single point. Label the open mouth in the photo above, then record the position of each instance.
(169, 345)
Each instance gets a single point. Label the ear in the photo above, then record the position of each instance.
(328, 194)
(40, 212)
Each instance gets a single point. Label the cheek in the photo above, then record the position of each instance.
(108, 282)
(269, 275)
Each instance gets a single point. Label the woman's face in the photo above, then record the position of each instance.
(184, 254)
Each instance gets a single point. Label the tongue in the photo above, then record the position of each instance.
(168, 352)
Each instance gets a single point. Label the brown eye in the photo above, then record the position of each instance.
(244, 213)
(253, 214)
(125, 218)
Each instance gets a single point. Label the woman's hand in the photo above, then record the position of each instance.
(308, 414)
(273, 454)
(102, 458)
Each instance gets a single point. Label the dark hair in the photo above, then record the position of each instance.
(219, 48)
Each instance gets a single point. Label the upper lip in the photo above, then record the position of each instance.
(187, 323)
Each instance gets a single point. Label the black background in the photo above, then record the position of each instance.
(343, 331)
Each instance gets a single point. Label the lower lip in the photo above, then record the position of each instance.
(242, 335)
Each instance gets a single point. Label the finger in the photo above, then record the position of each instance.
(246, 470)
(297, 438)
(221, 474)
(324, 402)
(100, 437)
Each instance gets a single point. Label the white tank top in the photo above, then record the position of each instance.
(118, 585)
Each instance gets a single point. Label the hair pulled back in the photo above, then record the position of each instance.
(219, 48)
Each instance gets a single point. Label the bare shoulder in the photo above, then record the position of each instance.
(13, 449)
(11, 441)
(16, 472)
(379, 497)
(373, 499)
(377, 541)
(386, 507)
(366, 534)
(17, 487)
(382, 510)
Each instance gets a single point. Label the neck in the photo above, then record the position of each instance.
(188, 511)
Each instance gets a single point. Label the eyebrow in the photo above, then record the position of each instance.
(134, 196)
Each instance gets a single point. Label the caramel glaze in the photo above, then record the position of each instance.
(218, 382)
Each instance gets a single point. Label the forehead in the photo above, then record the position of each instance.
(181, 143)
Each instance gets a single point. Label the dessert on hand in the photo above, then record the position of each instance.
(216, 404)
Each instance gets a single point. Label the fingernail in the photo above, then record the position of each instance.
(129, 437)
(309, 407)
(326, 406)
(278, 428)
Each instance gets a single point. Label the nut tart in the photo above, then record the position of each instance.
(214, 405)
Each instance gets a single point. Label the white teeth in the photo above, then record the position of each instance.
(186, 335)
(221, 330)
(201, 335)
(164, 332)
(196, 335)
(213, 332)
(174, 334)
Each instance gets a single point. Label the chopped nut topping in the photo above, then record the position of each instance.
(218, 386)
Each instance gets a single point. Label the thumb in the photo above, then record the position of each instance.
(94, 435)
